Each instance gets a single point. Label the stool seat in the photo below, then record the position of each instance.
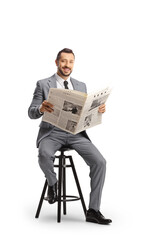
(65, 148)
(62, 196)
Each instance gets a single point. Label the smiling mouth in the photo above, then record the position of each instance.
(66, 69)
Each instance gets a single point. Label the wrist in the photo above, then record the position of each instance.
(40, 109)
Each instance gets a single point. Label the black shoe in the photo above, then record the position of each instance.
(96, 217)
(52, 194)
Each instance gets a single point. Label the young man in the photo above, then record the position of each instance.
(50, 138)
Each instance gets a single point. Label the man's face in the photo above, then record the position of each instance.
(65, 64)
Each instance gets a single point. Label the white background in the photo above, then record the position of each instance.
(115, 42)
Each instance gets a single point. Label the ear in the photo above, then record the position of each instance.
(56, 62)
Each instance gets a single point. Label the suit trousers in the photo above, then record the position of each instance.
(85, 148)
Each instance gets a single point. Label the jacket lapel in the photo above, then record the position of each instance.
(75, 84)
(52, 82)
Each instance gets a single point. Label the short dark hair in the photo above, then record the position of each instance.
(65, 50)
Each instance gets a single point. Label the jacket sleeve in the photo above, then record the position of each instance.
(33, 110)
(85, 87)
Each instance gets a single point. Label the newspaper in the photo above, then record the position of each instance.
(75, 111)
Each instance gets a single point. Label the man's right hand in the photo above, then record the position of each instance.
(46, 107)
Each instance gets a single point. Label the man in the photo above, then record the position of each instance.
(50, 138)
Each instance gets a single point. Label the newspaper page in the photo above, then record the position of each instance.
(75, 111)
(90, 115)
(68, 105)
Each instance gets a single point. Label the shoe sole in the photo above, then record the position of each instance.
(94, 221)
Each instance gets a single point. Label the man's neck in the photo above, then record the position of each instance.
(64, 77)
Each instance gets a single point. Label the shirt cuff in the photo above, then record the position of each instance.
(39, 109)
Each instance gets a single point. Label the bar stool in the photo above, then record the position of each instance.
(61, 196)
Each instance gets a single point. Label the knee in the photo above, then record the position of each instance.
(44, 156)
(101, 163)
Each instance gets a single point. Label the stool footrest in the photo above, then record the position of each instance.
(64, 198)
(64, 166)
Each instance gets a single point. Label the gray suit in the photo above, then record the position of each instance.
(41, 94)
(51, 138)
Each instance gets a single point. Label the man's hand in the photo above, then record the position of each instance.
(46, 107)
(102, 108)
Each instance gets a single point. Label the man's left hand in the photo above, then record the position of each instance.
(102, 108)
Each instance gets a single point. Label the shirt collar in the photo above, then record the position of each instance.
(61, 80)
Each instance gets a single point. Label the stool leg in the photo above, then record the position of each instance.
(64, 186)
(41, 199)
(59, 188)
(78, 185)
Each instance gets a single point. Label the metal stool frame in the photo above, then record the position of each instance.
(62, 197)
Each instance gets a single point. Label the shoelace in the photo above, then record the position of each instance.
(100, 214)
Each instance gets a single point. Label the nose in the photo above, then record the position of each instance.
(67, 65)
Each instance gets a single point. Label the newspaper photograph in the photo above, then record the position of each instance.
(75, 111)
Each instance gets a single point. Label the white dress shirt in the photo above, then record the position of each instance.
(60, 82)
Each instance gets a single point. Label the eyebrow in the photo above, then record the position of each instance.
(67, 59)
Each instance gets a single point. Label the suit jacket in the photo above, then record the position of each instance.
(41, 94)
